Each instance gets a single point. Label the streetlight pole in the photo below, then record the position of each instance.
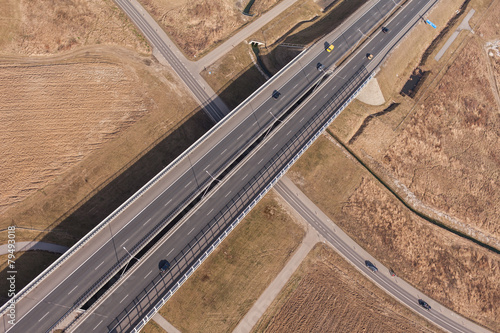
(127, 261)
(213, 178)
(274, 117)
(206, 190)
(363, 33)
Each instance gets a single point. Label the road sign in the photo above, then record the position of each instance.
(430, 23)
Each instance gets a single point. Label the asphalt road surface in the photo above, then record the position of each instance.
(48, 310)
(209, 211)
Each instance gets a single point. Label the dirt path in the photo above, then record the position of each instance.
(463, 26)
(165, 324)
(267, 297)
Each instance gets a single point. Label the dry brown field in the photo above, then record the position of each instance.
(45, 27)
(440, 151)
(327, 294)
(222, 290)
(455, 272)
(448, 154)
(57, 112)
(67, 130)
(198, 26)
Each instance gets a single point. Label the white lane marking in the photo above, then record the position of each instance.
(211, 210)
(254, 124)
(288, 132)
(275, 146)
(295, 86)
(151, 271)
(223, 151)
(335, 86)
(188, 184)
(260, 161)
(147, 221)
(72, 290)
(190, 231)
(245, 176)
(124, 242)
(354, 67)
(227, 194)
(97, 325)
(168, 202)
(419, 1)
(123, 298)
(208, 166)
(405, 16)
(152, 201)
(314, 107)
(239, 137)
(170, 251)
(301, 120)
(39, 320)
(99, 266)
(325, 96)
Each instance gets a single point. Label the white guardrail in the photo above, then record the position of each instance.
(203, 257)
(135, 196)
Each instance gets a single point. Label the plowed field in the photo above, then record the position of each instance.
(326, 294)
(53, 114)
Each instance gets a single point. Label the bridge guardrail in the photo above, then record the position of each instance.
(134, 197)
(252, 204)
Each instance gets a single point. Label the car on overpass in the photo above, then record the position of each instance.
(164, 266)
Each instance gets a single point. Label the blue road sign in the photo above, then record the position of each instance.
(430, 23)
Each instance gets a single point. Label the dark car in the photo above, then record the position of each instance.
(320, 67)
(385, 30)
(371, 266)
(276, 94)
(164, 266)
(424, 304)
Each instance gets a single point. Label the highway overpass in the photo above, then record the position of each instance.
(255, 137)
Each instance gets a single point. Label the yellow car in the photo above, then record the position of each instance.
(330, 48)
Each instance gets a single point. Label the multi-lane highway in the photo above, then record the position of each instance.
(172, 192)
(227, 193)
(206, 163)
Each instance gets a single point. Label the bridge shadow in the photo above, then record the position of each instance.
(112, 192)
